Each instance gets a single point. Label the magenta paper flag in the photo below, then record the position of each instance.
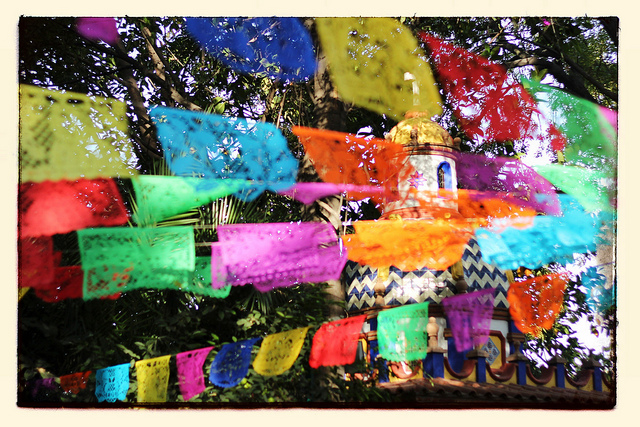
(490, 105)
(98, 29)
(610, 115)
(190, 374)
(336, 343)
(470, 317)
(308, 192)
(510, 177)
(280, 254)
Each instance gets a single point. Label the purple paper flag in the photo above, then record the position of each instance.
(470, 317)
(278, 254)
(98, 29)
(190, 374)
(508, 176)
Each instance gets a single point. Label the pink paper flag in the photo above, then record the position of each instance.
(308, 192)
(190, 375)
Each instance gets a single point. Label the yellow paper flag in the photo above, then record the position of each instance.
(376, 63)
(279, 351)
(66, 135)
(153, 379)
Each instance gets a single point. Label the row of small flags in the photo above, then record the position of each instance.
(401, 335)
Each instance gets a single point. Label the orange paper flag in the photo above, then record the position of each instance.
(409, 245)
(535, 303)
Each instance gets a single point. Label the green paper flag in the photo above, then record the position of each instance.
(591, 140)
(161, 197)
(593, 189)
(402, 332)
(119, 259)
(201, 283)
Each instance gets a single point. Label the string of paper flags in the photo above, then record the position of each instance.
(401, 336)
(72, 146)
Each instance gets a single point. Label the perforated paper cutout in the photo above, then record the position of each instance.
(549, 239)
(490, 105)
(336, 343)
(509, 177)
(308, 192)
(73, 383)
(535, 303)
(470, 317)
(190, 373)
(67, 283)
(161, 197)
(279, 352)
(70, 135)
(201, 282)
(591, 138)
(37, 262)
(376, 63)
(231, 364)
(409, 245)
(599, 297)
(402, 332)
(210, 146)
(278, 254)
(153, 379)
(58, 207)
(279, 47)
(343, 158)
(119, 259)
(112, 383)
(98, 29)
(594, 189)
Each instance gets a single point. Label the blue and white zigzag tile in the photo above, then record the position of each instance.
(482, 275)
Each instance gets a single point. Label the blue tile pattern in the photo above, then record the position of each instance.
(482, 275)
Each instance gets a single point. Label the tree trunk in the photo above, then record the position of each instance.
(329, 113)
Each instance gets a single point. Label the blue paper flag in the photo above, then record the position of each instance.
(112, 383)
(278, 47)
(212, 146)
(231, 364)
(599, 298)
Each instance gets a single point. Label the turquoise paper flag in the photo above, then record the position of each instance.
(112, 383)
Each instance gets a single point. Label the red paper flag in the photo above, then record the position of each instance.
(336, 343)
(490, 105)
(37, 262)
(58, 207)
(73, 383)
